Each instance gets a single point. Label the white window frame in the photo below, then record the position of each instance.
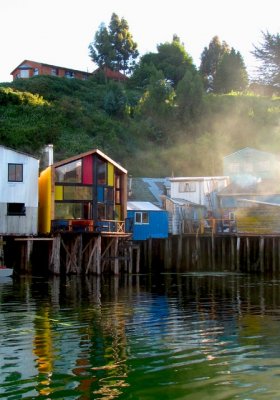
(141, 218)
(187, 187)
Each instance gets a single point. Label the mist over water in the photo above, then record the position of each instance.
(169, 336)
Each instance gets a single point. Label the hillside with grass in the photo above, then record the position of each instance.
(139, 127)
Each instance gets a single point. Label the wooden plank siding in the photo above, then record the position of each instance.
(258, 219)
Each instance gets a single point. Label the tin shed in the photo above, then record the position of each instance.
(147, 220)
(18, 193)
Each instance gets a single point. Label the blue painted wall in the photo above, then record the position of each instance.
(157, 228)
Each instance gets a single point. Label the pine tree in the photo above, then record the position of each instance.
(210, 59)
(268, 53)
(114, 47)
(231, 74)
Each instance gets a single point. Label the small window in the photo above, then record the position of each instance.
(36, 72)
(15, 172)
(187, 187)
(54, 71)
(141, 218)
(234, 167)
(16, 209)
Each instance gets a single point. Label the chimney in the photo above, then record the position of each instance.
(47, 156)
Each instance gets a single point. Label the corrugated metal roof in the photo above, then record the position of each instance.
(142, 206)
(197, 178)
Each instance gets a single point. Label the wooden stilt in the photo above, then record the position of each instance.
(261, 245)
(54, 265)
(273, 255)
(98, 255)
(213, 251)
(116, 259)
(232, 248)
(238, 253)
(179, 251)
(223, 253)
(248, 253)
(150, 252)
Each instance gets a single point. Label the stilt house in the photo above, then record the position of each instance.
(18, 193)
(87, 192)
(148, 221)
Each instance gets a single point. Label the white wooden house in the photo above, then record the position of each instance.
(191, 201)
(18, 193)
(198, 190)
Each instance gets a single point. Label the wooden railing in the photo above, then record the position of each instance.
(88, 225)
(208, 225)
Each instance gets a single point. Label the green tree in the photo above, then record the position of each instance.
(268, 53)
(189, 95)
(231, 74)
(114, 47)
(124, 47)
(210, 59)
(115, 100)
(171, 59)
(158, 98)
(101, 50)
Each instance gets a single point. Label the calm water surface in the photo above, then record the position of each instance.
(171, 336)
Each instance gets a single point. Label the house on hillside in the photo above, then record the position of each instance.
(27, 69)
(18, 193)
(87, 192)
(249, 165)
(111, 74)
(147, 221)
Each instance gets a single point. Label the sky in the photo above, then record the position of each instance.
(59, 32)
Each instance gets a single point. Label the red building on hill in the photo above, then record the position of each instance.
(28, 69)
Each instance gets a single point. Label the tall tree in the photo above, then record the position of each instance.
(101, 50)
(231, 74)
(189, 95)
(210, 59)
(125, 48)
(268, 53)
(114, 47)
(171, 59)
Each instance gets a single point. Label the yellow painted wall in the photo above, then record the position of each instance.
(58, 193)
(110, 175)
(45, 201)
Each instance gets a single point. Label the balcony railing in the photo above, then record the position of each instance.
(208, 225)
(88, 225)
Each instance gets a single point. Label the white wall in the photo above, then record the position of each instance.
(19, 192)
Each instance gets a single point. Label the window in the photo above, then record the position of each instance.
(248, 166)
(187, 187)
(71, 172)
(16, 209)
(54, 71)
(117, 189)
(263, 166)
(24, 73)
(36, 72)
(101, 172)
(15, 172)
(70, 74)
(77, 193)
(234, 167)
(141, 218)
(69, 210)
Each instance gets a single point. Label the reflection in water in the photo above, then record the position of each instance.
(170, 336)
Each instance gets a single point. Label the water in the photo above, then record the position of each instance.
(170, 336)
